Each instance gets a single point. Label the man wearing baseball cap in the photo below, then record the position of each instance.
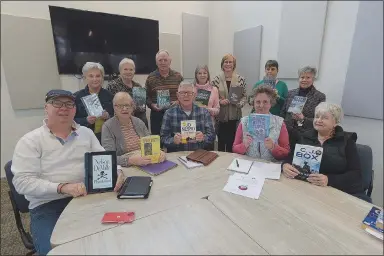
(48, 165)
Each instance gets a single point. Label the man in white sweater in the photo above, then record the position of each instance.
(48, 165)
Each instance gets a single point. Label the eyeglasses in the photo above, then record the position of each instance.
(60, 104)
(122, 106)
(186, 93)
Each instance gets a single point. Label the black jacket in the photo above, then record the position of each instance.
(105, 98)
(340, 161)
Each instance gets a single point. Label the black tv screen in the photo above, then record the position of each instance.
(82, 36)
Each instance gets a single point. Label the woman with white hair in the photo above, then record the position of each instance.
(93, 74)
(340, 165)
(300, 122)
(125, 83)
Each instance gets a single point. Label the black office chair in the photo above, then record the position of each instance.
(19, 205)
(366, 162)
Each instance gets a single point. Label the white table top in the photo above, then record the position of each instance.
(290, 217)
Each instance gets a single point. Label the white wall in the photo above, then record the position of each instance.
(15, 124)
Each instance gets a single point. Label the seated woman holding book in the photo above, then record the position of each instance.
(122, 133)
(340, 165)
(276, 145)
(298, 123)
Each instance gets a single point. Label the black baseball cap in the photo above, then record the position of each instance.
(59, 93)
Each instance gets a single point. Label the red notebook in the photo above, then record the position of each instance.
(118, 217)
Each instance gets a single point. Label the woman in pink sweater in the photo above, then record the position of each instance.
(202, 82)
(276, 145)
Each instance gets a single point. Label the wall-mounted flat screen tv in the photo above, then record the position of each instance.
(82, 36)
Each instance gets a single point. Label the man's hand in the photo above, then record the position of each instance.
(318, 179)
(289, 171)
(105, 115)
(269, 144)
(247, 140)
(91, 119)
(199, 136)
(120, 181)
(155, 107)
(162, 157)
(139, 160)
(74, 189)
(177, 138)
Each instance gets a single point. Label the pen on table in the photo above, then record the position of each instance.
(183, 160)
(237, 163)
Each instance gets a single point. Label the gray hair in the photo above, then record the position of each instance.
(335, 110)
(161, 51)
(308, 69)
(186, 83)
(126, 61)
(93, 65)
(205, 67)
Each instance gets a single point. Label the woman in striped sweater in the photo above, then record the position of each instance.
(122, 133)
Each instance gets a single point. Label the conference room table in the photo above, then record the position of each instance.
(187, 212)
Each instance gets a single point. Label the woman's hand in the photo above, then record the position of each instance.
(268, 143)
(162, 156)
(247, 140)
(74, 189)
(298, 117)
(105, 115)
(318, 179)
(120, 181)
(91, 119)
(139, 160)
(289, 171)
(224, 102)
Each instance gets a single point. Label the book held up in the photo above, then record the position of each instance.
(188, 131)
(92, 105)
(307, 160)
(150, 146)
(202, 97)
(235, 94)
(139, 96)
(258, 126)
(163, 99)
(297, 104)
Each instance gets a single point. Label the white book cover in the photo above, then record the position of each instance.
(102, 171)
(244, 186)
(92, 105)
(189, 164)
(297, 104)
(188, 130)
(240, 165)
(265, 170)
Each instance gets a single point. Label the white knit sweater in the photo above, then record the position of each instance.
(40, 163)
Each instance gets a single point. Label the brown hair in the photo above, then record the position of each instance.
(271, 93)
(227, 56)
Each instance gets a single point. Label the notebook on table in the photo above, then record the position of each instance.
(159, 168)
(189, 164)
(240, 165)
(135, 187)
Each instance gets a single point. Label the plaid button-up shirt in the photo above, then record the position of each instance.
(172, 124)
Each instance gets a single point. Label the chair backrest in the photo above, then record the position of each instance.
(366, 159)
(20, 201)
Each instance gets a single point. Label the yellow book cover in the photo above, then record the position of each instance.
(150, 146)
(188, 131)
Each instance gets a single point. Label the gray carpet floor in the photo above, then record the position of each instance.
(11, 243)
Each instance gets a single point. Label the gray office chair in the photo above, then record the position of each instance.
(366, 162)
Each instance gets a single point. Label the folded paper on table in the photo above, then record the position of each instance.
(189, 164)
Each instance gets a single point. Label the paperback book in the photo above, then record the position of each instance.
(202, 97)
(150, 146)
(258, 126)
(139, 96)
(92, 105)
(188, 131)
(307, 160)
(370, 222)
(163, 99)
(270, 81)
(297, 104)
(235, 94)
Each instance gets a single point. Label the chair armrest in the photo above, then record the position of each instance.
(370, 188)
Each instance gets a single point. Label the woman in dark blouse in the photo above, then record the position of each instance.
(340, 165)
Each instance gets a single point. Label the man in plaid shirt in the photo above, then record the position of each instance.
(170, 132)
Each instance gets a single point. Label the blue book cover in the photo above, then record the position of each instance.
(297, 104)
(370, 219)
(139, 96)
(307, 160)
(258, 126)
(163, 99)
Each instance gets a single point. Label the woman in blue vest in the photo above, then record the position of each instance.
(276, 145)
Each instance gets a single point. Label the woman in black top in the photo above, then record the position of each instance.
(340, 165)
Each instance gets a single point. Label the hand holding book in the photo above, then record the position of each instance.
(289, 171)
(268, 143)
(247, 140)
(318, 179)
(139, 160)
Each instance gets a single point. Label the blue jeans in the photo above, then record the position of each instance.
(43, 220)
